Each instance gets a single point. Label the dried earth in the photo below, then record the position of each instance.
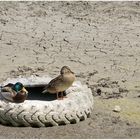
(99, 41)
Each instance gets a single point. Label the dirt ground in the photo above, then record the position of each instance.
(99, 41)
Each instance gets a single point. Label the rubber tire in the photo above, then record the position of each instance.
(36, 113)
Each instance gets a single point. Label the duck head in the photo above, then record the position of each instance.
(18, 87)
(66, 70)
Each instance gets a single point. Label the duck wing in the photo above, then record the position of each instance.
(53, 83)
(8, 89)
(7, 96)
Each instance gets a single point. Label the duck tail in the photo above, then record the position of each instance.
(44, 91)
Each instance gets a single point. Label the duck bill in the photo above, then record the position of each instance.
(24, 90)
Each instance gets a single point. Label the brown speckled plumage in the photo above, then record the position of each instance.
(61, 83)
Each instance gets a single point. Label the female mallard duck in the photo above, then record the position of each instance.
(61, 83)
(14, 92)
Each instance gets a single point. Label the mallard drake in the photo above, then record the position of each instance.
(14, 92)
(60, 83)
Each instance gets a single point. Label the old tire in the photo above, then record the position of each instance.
(75, 108)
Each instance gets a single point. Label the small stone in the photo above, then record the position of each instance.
(117, 108)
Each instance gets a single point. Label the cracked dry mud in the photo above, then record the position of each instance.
(98, 40)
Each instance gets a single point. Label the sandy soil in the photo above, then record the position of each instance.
(98, 40)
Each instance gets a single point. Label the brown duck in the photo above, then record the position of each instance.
(60, 83)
